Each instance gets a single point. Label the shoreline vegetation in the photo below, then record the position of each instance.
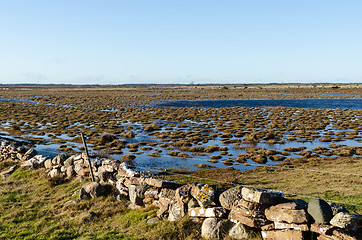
(116, 120)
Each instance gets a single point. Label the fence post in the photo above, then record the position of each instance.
(87, 156)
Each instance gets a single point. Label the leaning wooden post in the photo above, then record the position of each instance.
(87, 156)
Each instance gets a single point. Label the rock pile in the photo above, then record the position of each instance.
(236, 212)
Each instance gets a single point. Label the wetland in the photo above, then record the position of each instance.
(188, 127)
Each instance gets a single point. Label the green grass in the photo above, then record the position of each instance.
(31, 208)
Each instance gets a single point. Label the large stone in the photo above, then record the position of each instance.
(262, 196)
(320, 211)
(348, 221)
(69, 162)
(175, 212)
(214, 228)
(238, 231)
(92, 190)
(204, 194)
(136, 194)
(59, 160)
(103, 174)
(283, 235)
(322, 228)
(279, 213)
(48, 164)
(237, 215)
(70, 172)
(217, 212)
(166, 197)
(55, 173)
(230, 197)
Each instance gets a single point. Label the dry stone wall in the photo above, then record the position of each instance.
(235, 212)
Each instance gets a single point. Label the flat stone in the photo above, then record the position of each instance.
(320, 210)
(252, 205)
(282, 235)
(152, 221)
(322, 228)
(345, 235)
(262, 196)
(348, 221)
(279, 214)
(217, 212)
(230, 197)
(299, 227)
(247, 212)
(237, 216)
(7, 173)
(161, 183)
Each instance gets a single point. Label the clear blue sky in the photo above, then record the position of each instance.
(184, 41)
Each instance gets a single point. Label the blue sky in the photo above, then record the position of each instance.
(198, 41)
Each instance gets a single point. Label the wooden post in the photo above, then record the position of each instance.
(87, 156)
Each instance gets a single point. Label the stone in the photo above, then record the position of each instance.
(278, 213)
(70, 172)
(59, 160)
(301, 204)
(299, 227)
(166, 198)
(103, 174)
(29, 154)
(161, 183)
(7, 173)
(237, 215)
(126, 171)
(230, 197)
(268, 227)
(345, 235)
(247, 212)
(238, 231)
(348, 221)
(69, 162)
(192, 203)
(322, 228)
(217, 212)
(252, 205)
(262, 196)
(175, 212)
(204, 194)
(55, 173)
(136, 194)
(92, 189)
(320, 210)
(324, 237)
(121, 188)
(152, 221)
(214, 228)
(63, 169)
(336, 208)
(282, 235)
(48, 164)
(183, 196)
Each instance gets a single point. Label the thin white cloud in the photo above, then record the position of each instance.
(56, 60)
(34, 77)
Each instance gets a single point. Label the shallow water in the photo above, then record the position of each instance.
(329, 103)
